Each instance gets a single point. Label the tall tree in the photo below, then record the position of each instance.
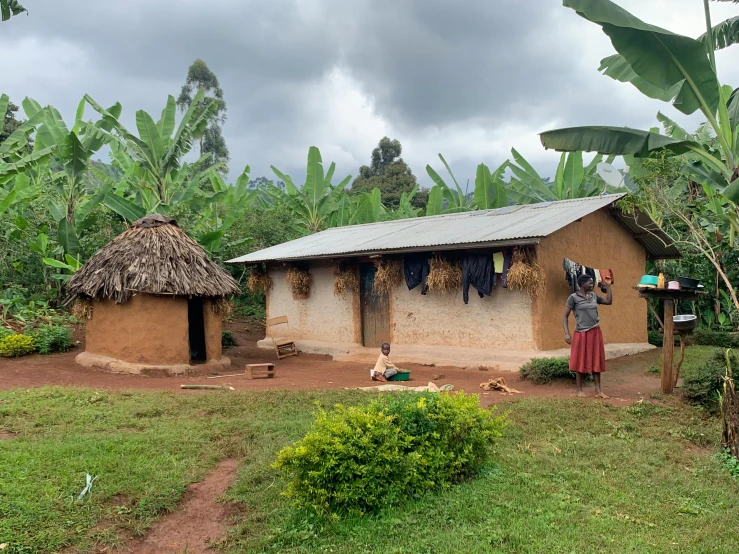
(200, 77)
(11, 123)
(389, 173)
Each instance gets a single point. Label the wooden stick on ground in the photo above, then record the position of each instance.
(499, 384)
(206, 387)
(229, 375)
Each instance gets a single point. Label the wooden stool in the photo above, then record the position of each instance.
(260, 370)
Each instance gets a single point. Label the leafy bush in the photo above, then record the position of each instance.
(52, 338)
(702, 384)
(228, 340)
(729, 462)
(721, 339)
(543, 370)
(13, 346)
(4, 332)
(356, 460)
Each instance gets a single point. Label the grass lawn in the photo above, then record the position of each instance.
(569, 476)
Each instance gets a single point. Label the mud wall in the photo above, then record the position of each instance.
(212, 320)
(146, 329)
(322, 316)
(502, 320)
(597, 241)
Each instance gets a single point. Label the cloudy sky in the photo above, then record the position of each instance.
(469, 79)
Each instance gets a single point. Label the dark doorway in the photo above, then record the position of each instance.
(196, 326)
(375, 309)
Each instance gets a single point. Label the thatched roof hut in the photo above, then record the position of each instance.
(153, 256)
(153, 299)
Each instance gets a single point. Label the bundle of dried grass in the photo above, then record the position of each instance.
(444, 276)
(346, 279)
(222, 306)
(258, 281)
(525, 274)
(82, 309)
(389, 275)
(298, 280)
(154, 256)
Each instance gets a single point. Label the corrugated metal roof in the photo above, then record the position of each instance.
(509, 225)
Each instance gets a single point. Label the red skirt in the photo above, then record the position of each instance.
(588, 354)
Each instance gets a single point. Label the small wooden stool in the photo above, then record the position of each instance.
(260, 370)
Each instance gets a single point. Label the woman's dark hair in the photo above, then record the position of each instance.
(582, 279)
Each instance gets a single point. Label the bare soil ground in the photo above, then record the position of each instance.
(626, 380)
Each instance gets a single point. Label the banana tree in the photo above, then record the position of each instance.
(489, 193)
(154, 169)
(9, 8)
(669, 67)
(456, 200)
(572, 179)
(219, 209)
(314, 203)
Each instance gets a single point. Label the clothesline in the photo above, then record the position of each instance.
(573, 270)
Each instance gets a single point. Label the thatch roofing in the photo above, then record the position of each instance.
(154, 256)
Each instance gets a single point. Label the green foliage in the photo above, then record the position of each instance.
(13, 346)
(721, 339)
(702, 384)
(543, 370)
(657, 339)
(390, 174)
(9, 8)
(52, 338)
(356, 460)
(200, 77)
(228, 340)
(4, 332)
(729, 462)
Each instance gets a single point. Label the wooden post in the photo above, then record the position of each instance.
(668, 346)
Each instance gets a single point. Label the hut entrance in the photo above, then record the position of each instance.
(375, 309)
(196, 329)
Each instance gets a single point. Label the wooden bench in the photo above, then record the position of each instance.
(260, 370)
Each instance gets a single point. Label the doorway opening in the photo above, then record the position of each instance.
(196, 330)
(375, 308)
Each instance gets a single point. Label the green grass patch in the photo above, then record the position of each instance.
(568, 476)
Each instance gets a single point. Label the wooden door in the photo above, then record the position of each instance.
(375, 309)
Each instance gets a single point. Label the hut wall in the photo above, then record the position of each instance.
(146, 329)
(599, 241)
(212, 320)
(322, 316)
(502, 320)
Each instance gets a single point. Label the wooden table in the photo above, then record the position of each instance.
(668, 297)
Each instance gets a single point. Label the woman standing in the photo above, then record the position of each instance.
(588, 354)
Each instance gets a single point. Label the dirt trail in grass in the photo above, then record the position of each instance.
(198, 521)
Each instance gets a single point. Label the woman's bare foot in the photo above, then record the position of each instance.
(602, 395)
(581, 394)
(382, 378)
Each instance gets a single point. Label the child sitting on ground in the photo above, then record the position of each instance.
(384, 368)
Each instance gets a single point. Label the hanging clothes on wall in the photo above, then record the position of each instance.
(572, 272)
(416, 270)
(507, 255)
(477, 270)
(607, 276)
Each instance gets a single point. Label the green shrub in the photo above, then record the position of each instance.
(356, 460)
(52, 338)
(13, 346)
(5, 332)
(702, 384)
(729, 462)
(543, 370)
(228, 340)
(721, 339)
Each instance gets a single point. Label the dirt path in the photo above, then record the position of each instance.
(198, 521)
(626, 380)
